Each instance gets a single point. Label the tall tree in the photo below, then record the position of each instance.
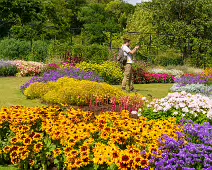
(190, 21)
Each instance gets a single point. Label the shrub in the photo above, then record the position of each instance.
(169, 57)
(181, 105)
(54, 75)
(92, 53)
(74, 92)
(7, 68)
(39, 51)
(12, 49)
(109, 71)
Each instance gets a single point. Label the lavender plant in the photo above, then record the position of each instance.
(54, 75)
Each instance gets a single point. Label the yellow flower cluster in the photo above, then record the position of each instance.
(69, 91)
(109, 71)
(84, 139)
(208, 72)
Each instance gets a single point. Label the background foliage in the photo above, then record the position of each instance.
(171, 32)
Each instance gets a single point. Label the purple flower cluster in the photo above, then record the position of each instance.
(197, 154)
(4, 64)
(54, 75)
(199, 133)
(190, 79)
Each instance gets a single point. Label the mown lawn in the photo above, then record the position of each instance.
(11, 95)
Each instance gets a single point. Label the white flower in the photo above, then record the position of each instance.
(175, 113)
(209, 115)
(182, 105)
(183, 115)
(185, 110)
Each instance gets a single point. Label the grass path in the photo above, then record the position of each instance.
(10, 93)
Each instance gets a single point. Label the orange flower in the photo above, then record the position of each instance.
(57, 152)
(27, 141)
(38, 147)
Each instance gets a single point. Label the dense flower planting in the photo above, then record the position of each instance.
(54, 75)
(181, 105)
(158, 78)
(208, 72)
(8, 68)
(69, 91)
(193, 79)
(28, 68)
(174, 72)
(193, 88)
(196, 154)
(109, 71)
(38, 137)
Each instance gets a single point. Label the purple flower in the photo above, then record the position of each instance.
(54, 75)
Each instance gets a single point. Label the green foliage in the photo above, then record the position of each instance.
(109, 71)
(8, 71)
(11, 49)
(91, 53)
(168, 57)
(187, 26)
(151, 115)
(39, 51)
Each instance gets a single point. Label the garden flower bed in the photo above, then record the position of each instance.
(72, 139)
(194, 84)
(181, 105)
(54, 75)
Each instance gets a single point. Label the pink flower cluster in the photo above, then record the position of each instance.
(29, 68)
(158, 78)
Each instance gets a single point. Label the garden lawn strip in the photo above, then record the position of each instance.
(11, 95)
(153, 90)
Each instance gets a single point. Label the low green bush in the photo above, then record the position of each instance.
(11, 49)
(92, 53)
(109, 71)
(168, 57)
(69, 91)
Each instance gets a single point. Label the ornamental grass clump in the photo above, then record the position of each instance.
(73, 139)
(69, 91)
(181, 105)
(54, 75)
